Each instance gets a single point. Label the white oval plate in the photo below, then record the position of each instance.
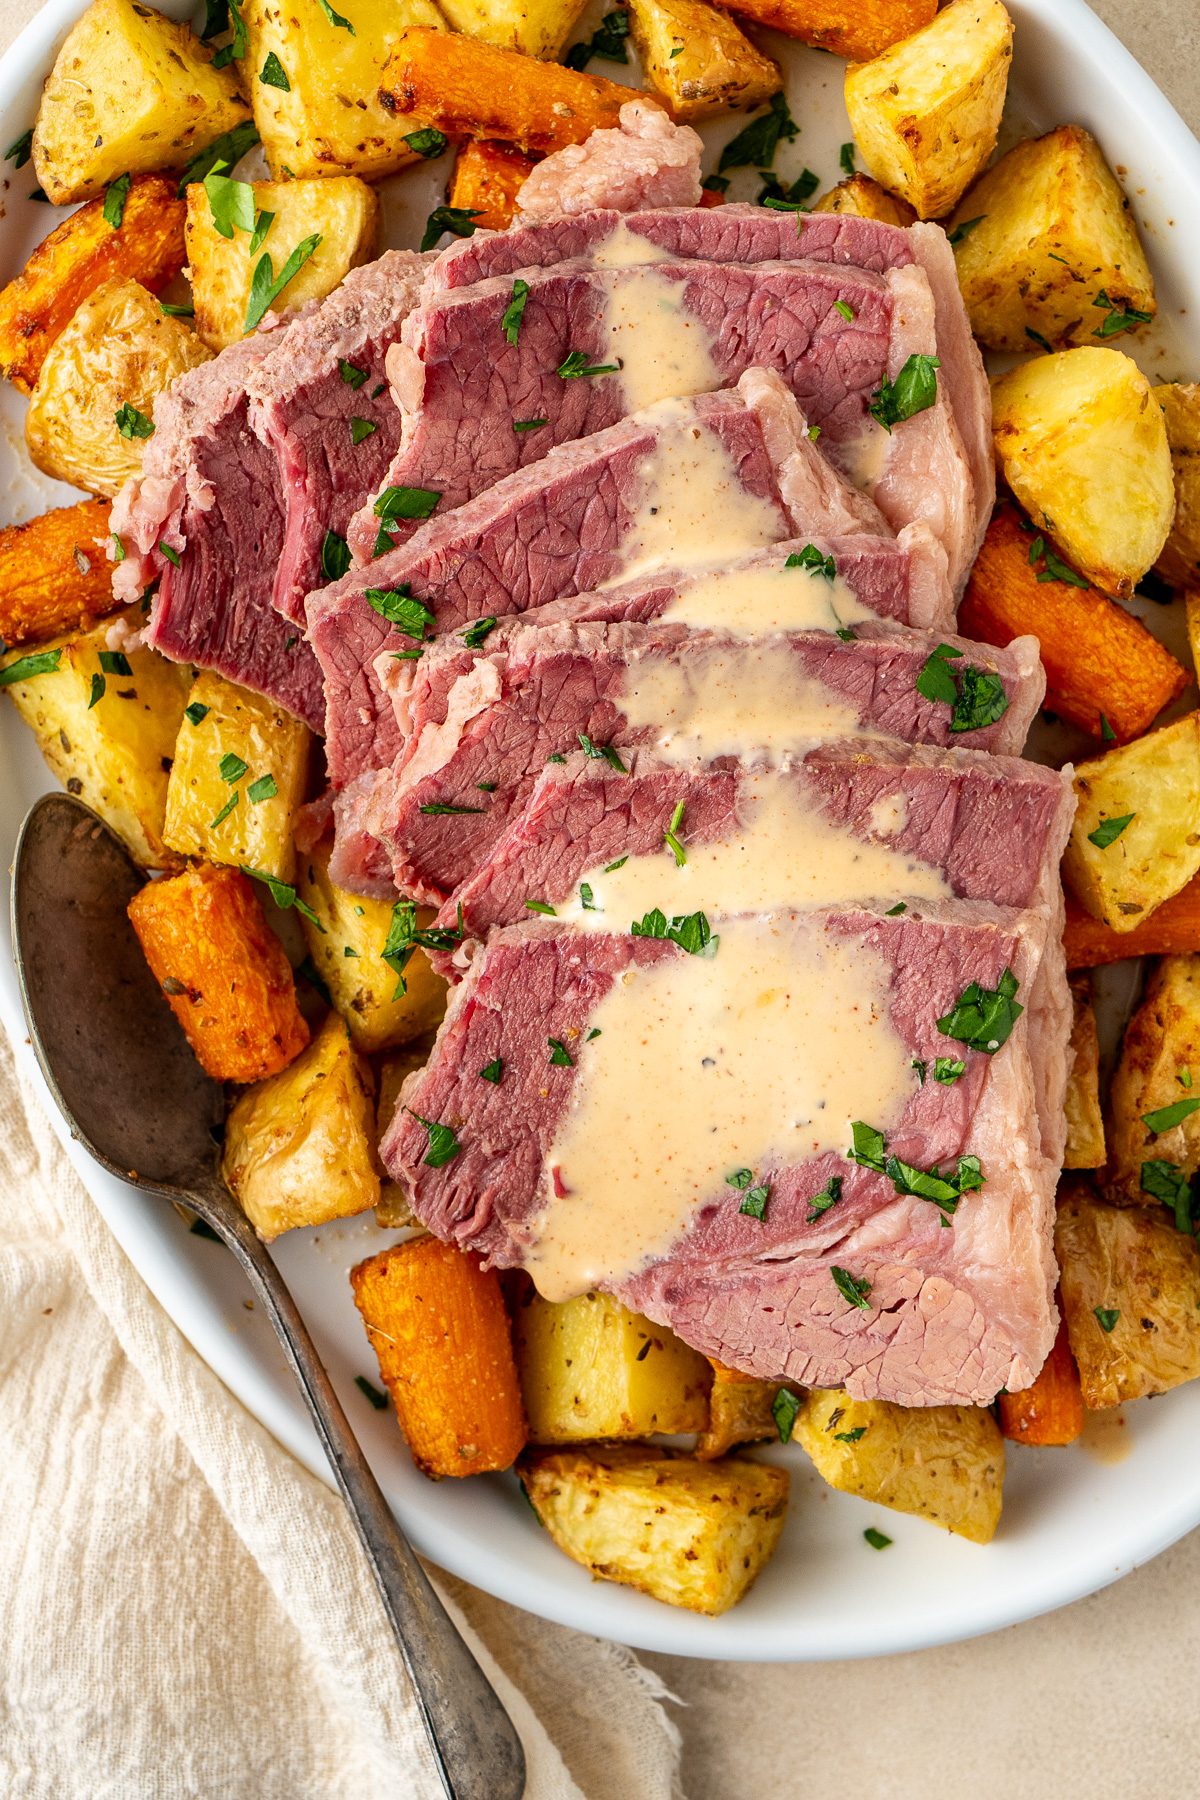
(1071, 1523)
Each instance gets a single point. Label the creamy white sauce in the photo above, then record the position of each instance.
(625, 249)
(733, 701)
(784, 853)
(762, 1053)
(663, 350)
(889, 814)
(768, 599)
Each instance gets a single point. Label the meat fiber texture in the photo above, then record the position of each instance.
(646, 162)
(564, 527)
(953, 1315)
(482, 724)
(994, 826)
(325, 384)
(210, 491)
(463, 386)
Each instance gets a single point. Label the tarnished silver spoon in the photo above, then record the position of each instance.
(125, 1080)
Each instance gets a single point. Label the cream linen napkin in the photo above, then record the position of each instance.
(184, 1610)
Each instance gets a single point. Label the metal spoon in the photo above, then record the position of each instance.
(125, 1080)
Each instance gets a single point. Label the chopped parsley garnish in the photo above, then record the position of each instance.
(474, 634)
(308, 969)
(847, 637)
(936, 681)
(1055, 569)
(1120, 318)
(1107, 734)
(810, 558)
(556, 756)
(1037, 338)
(611, 868)
(1184, 1076)
(262, 224)
(405, 503)
(576, 364)
(559, 1057)
(876, 1539)
(20, 151)
(1109, 830)
(978, 697)
(963, 231)
(133, 424)
(756, 144)
(493, 1072)
(1107, 1315)
(740, 1179)
(829, 1196)
(529, 424)
(439, 810)
(115, 662)
(607, 751)
(1167, 1117)
(487, 787)
(983, 1018)
(195, 712)
(846, 158)
(458, 220)
(920, 1067)
(241, 39)
(361, 429)
(231, 767)
(541, 906)
(593, 1033)
(398, 607)
(115, 196)
(336, 18)
(262, 789)
(691, 931)
(335, 556)
(378, 1401)
(914, 390)
(225, 810)
(855, 1291)
(587, 898)
(754, 1201)
(847, 312)
(443, 1144)
(281, 893)
(510, 324)
(98, 686)
(404, 936)
(778, 198)
(942, 1191)
(379, 388)
(428, 142)
(1166, 1182)
(273, 74)
(946, 1070)
(608, 42)
(266, 286)
(230, 202)
(383, 543)
(26, 667)
(352, 376)
(715, 184)
(868, 1147)
(850, 1437)
(226, 151)
(784, 1408)
(118, 554)
(894, 911)
(171, 555)
(671, 834)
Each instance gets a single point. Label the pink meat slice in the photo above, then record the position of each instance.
(646, 162)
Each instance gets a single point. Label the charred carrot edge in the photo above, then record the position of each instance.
(54, 574)
(78, 258)
(1173, 929)
(222, 970)
(1051, 1411)
(721, 1372)
(474, 90)
(489, 176)
(1100, 663)
(437, 1322)
(710, 197)
(857, 30)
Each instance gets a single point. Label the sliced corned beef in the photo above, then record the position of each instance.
(210, 493)
(322, 405)
(481, 724)
(647, 162)
(919, 1311)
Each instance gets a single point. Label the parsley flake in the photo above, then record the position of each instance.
(493, 1072)
(1107, 734)
(166, 550)
(876, 1539)
(195, 712)
(608, 42)
(115, 196)
(963, 231)
(1037, 338)
(133, 424)
(404, 936)
(1107, 1315)
(1109, 830)
(913, 391)
(529, 424)
(26, 667)
(850, 1437)
(756, 144)
(458, 220)
(378, 1401)
(559, 1057)
(946, 1070)
(810, 558)
(587, 898)
(336, 18)
(443, 1144)
(273, 74)
(231, 767)
(230, 202)
(576, 365)
(474, 634)
(98, 686)
(351, 375)
(895, 911)
(262, 789)
(754, 1201)
(262, 225)
(335, 556)
(510, 324)
(607, 751)
(225, 150)
(1167, 1117)
(540, 906)
(611, 868)
(846, 158)
(115, 662)
(440, 810)
(398, 607)
(429, 142)
(983, 1018)
(1120, 318)
(690, 931)
(672, 836)
(784, 1408)
(266, 286)
(405, 503)
(855, 1291)
(829, 1196)
(847, 312)
(225, 810)
(361, 429)
(1166, 1182)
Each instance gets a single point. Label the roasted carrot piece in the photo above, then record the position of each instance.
(1100, 663)
(1173, 929)
(858, 29)
(54, 574)
(1051, 1411)
(437, 1322)
(710, 197)
(223, 971)
(473, 90)
(72, 263)
(489, 176)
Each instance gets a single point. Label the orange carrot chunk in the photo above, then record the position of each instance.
(54, 573)
(1051, 1411)
(488, 177)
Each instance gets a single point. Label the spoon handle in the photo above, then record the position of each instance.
(475, 1745)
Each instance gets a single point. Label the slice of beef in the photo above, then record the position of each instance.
(951, 1313)
(646, 163)
(465, 380)
(994, 827)
(482, 724)
(210, 492)
(322, 405)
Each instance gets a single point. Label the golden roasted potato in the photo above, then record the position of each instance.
(1158, 1075)
(865, 199)
(393, 1210)
(1083, 447)
(535, 27)
(694, 1534)
(590, 1368)
(300, 1146)
(328, 227)
(93, 407)
(328, 120)
(1180, 560)
(925, 114)
(106, 724)
(487, 178)
(944, 1463)
(347, 946)
(1085, 1121)
(1046, 248)
(1136, 836)
(697, 61)
(84, 253)
(241, 765)
(740, 1411)
(1131, 1295)
(1172, 929)
(129, 91)
(859, 29)
(54, 574)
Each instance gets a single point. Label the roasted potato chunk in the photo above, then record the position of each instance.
(590, 1368)
(740, 1411)
(1159, 1076)
(83, 254)
(487, 178)
(1051, 1411)
(393, 1211)
(1048, 251)
(1131, 1295)
(1084, 449)
(54, 574)
(437, 1323)
(694, 1534)
(944, 1463)
(697, 61)
(331, 223)
(328, 119)
(925, 114)
(130, 91)
(841, 27)
(93, 407)
(222, 970)
(1085, 1121)
(535, 27)
(240, 770)
(347, 943)
(1136, 836)
(300, 1146)
(106, 724)
(865, 199)
(1180, 560)
(1173, 929)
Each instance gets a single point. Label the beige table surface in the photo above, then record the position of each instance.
(1096, 1702)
